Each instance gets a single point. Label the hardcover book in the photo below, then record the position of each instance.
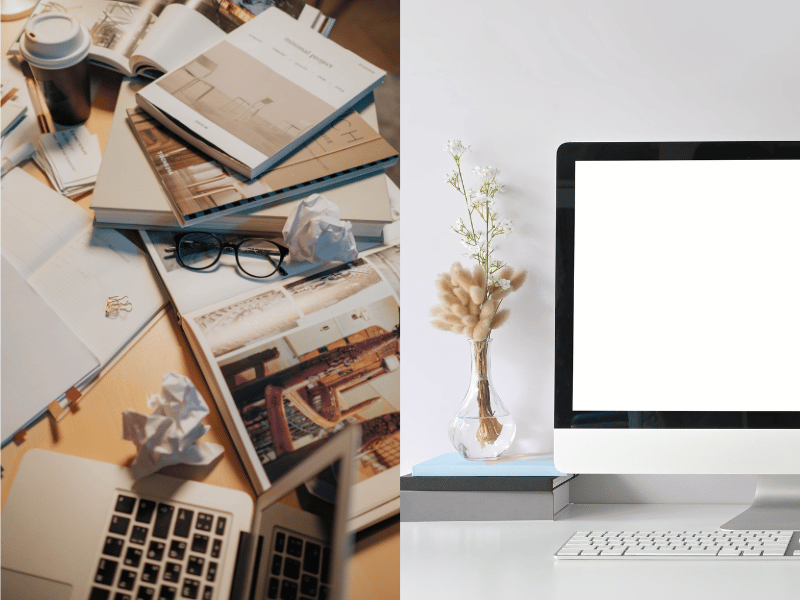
(200, 189)
(293, 359)
(257, 96)
(129, 195)
(148, 39)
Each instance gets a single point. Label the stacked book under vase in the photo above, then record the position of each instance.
(514, 488)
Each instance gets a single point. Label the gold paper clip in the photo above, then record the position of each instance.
(114, 304)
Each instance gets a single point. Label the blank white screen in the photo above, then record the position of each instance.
(687, 285)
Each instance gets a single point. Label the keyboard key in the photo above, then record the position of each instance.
(119, 525)
(199, 543)
(294, 546)
(146, 510)
(122, 596)
(156, 550)
(204, 521)
(177, 549)
(312, 557)
(145, 593)
(274, 588)
(127, 579)
(195, 566)
(191, 588)
(208, 592)
(113, 546)
(280, 541)
(308, 585)
(221, 522)
(172, 572)
(99, 594)
(183, 524)
(277, 564)
(291, 568)
(167, 592)
(288, 590)
(326, 563)
(163, 521)
(150, 572)
(125, 504)
(323, 592)
(132, 557)
(106, 570)
(216, 548)
(138, 535)
(211, 575)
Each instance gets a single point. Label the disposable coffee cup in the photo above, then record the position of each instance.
(56, 47)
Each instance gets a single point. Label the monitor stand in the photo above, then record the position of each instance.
(776, 506)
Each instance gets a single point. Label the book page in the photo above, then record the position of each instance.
(37, 221)
(99, 263)
(297, 359)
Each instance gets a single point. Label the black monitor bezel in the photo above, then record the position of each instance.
(568, 154)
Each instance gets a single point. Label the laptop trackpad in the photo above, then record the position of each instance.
(23, 586)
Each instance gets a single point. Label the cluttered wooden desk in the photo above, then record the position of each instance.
(92, 428)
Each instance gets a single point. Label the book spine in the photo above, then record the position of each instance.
(482, 506)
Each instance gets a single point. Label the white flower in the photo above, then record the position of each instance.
(503, 283)
(486, 173)
(455, 147)
(481, 200)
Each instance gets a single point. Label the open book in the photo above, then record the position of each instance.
(291, 360)
(74, 267)
(149, 38)
(258, 95)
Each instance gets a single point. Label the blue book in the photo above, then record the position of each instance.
(454, 465)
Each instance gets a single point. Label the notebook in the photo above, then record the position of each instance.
(79, 529)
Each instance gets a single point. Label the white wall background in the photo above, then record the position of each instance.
(516, 78)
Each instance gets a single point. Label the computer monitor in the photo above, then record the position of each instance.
(677, 346)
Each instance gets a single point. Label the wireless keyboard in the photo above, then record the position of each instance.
(682, 544)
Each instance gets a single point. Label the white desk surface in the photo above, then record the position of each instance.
(514, 559)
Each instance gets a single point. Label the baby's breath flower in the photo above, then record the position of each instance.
(455, 148)
(503, 283)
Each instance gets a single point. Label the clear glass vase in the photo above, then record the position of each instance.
(482, 428)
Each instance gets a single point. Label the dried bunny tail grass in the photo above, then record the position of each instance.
(474, 309)
(448, 299)
(500, 317)
(469, 321)
(446, 326)
(437, 311)
(505, 273)
(476, 294)
(488, 309)
(481, 330)
(462, 295)
(449, 318)
(478, 276)
(459, 276)
(460, 310)
(518, 279)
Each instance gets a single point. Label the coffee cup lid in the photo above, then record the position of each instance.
(55, 40)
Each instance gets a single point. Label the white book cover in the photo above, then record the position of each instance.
(255, 97)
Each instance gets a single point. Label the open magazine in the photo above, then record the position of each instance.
(291, 361)
(150, 37)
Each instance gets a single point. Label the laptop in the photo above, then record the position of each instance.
(78, 529)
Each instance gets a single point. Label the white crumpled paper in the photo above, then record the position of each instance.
(315, 232)
(168, 436)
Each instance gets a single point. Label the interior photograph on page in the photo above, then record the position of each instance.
(302, 360)
(262, 108)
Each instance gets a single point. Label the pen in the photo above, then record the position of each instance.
(17, 155)
(8, 96)
(33, 92)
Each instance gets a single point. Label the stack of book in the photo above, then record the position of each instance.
(233, 138)
(513, 488)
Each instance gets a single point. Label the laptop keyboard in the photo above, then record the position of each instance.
(155, 550)
(299, 567)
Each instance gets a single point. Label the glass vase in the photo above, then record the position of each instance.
(482, 428)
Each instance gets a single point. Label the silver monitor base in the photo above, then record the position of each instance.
(776, 506)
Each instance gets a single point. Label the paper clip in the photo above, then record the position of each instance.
(115, 304)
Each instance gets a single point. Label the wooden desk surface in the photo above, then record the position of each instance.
(94, 430)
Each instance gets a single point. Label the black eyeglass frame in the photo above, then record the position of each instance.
(223, 245)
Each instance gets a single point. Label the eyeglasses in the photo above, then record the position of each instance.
(257, 257)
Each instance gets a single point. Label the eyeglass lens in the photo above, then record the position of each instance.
(256, 257)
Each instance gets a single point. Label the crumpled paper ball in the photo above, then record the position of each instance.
(316, 233)
(168, 435)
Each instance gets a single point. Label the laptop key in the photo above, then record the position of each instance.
(127, 579)
(156, 550)
(291, 568)
(326, 563)
(183, 524)
(119, 525)
(221, 522)
(167, 592)
(172, 572)
(277, 564)
(216, 548)
(145, 593)
(113, 546)
(122, 596)
(204, 521)
(280, 541)
(99, 594)
(208, 592)
(106, 570)
(125, 504)
(288, 590)
(150, 572)
(195, 566)
(200, 543)
(191, 589)
(177, 549)
(211, 575)
(323, 592)
(163, 521)
(146, 510)
(308, 585)
(133, 557)
(294, 546)
(312, 557)
(138, 535)
(273, 588)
